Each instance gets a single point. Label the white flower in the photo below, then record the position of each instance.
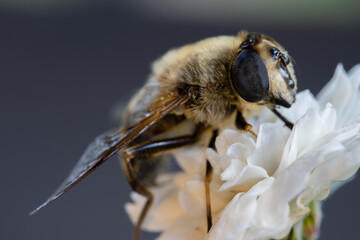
(261, 187)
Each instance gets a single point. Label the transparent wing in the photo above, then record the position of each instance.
(107, 144)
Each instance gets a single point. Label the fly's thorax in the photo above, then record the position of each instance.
(203, 67)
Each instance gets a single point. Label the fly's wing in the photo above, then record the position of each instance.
(139, 105)
(107, 144)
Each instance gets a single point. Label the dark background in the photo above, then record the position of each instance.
(63, 71)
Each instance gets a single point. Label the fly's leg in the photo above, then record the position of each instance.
(149, 149)
(241, 124)
(289, 124)
(140, 188)
(208, 176)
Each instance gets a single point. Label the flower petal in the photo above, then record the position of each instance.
(269, 147)
(192, 197)
(232, 171)
(343, 92)
(186, 228)
(230, 136)
(247, 178)
(305, 100)
(191, 160)
(159, 216)
(236, 217)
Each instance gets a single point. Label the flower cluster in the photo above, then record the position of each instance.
(262, 186)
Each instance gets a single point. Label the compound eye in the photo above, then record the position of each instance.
(249, 76)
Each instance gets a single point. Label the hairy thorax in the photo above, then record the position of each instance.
(203, 67)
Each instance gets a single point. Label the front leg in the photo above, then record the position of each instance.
(241, 124)
(289, 124)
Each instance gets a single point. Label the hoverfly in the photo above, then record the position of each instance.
(197, 86)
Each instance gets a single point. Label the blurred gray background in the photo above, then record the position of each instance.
(64, 66)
